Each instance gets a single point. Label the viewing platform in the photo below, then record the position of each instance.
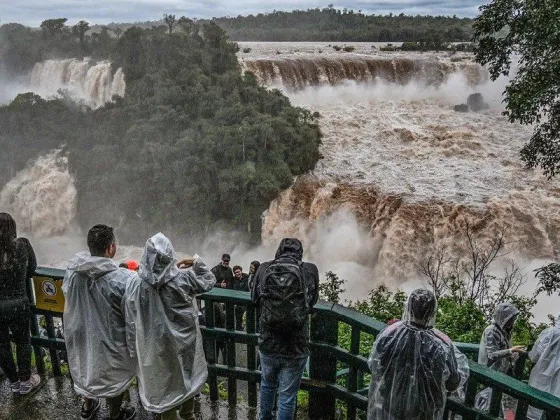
(335, 384)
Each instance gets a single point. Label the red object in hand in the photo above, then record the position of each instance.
(132, 265)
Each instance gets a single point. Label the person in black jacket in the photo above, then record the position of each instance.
(240, 282)
(17, 266)
(223, 273)
(284, 349)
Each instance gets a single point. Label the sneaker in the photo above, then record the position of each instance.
(94, 407)
(15, 387)
(127, 413)
(25, 387)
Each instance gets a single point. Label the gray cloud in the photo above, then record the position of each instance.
(32, 12)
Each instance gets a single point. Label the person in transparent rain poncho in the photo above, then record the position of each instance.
(94, 326)
(546, 372)
(163, 333)
(414, 366)
(497, 353)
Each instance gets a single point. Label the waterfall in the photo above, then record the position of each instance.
(93, 82)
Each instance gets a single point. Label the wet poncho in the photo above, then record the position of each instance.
(413, 365)
(94, 326)
(162, 326)
(546, 372)
(494, 351)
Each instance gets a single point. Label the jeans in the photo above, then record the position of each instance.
(17, 321)
(283, 374)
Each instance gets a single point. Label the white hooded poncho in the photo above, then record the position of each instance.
(414, 366)
(94, 326)
(162, 326)
(546, 372)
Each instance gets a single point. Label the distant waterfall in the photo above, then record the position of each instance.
(93, 82)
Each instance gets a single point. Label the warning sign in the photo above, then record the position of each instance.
(48, 294)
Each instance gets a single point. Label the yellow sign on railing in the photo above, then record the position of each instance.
(48, 294)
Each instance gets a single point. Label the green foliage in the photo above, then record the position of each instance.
(349, 48)
(461, 322)
(382, 304)
(330, 24)
(549, 279)
(331, 289)
(192, 143)
(529, 30)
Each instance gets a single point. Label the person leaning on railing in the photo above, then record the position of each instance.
(284, 290)
(497, 353)
(17, 265)
(94, 326)
(163, 334)
(414, 366)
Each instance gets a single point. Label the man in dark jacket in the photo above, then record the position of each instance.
(223, 273)
(284, 352)
(240, 282)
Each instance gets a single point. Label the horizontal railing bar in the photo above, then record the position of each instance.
(223, 334)
(358, 362)
(48, 343)
(239, 373)
(456, 406)
(44, 312)
(354, 398)
(513, 387)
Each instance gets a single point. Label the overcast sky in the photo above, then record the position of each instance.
(32, 12)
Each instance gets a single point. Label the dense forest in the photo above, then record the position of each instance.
(335, 25)
(192, 143)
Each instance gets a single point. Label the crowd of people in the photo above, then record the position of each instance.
(141, 320)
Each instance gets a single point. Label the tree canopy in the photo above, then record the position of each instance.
(521, 38)
(335, 25)
(193, 142)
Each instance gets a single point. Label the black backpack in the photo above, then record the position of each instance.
(283, 300)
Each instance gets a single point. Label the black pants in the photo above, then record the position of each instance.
(17, 321)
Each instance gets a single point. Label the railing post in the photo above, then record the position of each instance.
(251, 355)
(34, 327)
(211, 350)
(322, 366)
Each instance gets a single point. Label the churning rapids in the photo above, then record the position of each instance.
(401, 175)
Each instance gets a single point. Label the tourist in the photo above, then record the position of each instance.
(163, 332)
(223, 272)
(497, 353)
(546, 372)
(94, 326)
(413, 365)
(284, 290)
(17, 266)
(252, 271)
(240, 282)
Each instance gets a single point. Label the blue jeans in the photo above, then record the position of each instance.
(283, 374)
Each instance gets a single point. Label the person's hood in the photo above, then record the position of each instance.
(92, 267)
(159, 261)
(421, 301)
(503, 313)
(290, 247)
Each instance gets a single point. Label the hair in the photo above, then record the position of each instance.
(8, 234)
(99, 238)
(423, 305)
(237, 267)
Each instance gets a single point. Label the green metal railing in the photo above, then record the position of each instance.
(337, 378)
